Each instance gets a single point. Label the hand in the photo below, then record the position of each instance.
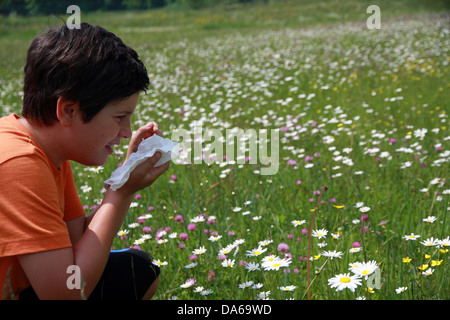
(143, 133)
(145, 173)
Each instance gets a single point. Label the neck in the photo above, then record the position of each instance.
(49, 139)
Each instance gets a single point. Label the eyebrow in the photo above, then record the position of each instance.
(126, 112)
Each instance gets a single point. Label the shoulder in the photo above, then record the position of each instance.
(16, 142)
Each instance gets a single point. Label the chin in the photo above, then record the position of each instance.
(91, 162)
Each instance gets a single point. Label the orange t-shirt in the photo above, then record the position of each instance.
(36, 200)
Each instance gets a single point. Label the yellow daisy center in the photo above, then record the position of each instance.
(345, 279)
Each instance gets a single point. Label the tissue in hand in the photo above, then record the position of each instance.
(146, 149)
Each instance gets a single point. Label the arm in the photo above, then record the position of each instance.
(47, 270)
(143, 133)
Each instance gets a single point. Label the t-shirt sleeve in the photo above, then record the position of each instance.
(31, 210)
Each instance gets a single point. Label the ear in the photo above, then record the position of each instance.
(67, 111)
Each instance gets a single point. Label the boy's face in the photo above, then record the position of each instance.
(95, 140)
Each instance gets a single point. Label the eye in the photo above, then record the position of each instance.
(120, 118)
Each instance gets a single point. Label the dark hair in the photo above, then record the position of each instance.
(90, 65)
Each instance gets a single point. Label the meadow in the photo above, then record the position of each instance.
(363, 112)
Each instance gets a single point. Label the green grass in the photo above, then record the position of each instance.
(315, 70)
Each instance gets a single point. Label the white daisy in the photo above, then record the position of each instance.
(342, 281)
(276, 264)
(252, 266)
(265, 242)
(364, 209)
(364, 269)
(444, 242)
(228, 263)
(296, 223)
(412, 236)
(188, 283)
(200, 250)
(430, 219)
(256, 252)
(287, 288)
(332, 254)
(214, 238)
(159, 263)
(401, 290)
(206, 292)
(245, 285)
(321, 233)
(430, 242)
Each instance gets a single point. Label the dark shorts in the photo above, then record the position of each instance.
(127, 276)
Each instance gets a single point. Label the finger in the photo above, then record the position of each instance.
(154, 160)
(152, 130)
(156, 172)
(141, 134)
(145, 131)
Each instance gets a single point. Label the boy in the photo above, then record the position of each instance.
(81, 88)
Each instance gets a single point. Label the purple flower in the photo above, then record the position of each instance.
(283, 247)
(309, 158)
(291, 162)
(364, 229)
(299, 182)
(191, 227)
(179, 218)
(184, 236)
(221, 257)
(356, 244)
(211, 275)
(147, 229)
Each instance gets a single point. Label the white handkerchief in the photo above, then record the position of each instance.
(146, 149)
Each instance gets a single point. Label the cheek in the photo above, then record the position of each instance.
(106, 132)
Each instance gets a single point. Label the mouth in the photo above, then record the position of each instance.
(109, 148)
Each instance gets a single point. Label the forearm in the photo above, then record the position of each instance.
(92, 214)
(92, 250)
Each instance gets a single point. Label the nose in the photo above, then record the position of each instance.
(125, 132)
